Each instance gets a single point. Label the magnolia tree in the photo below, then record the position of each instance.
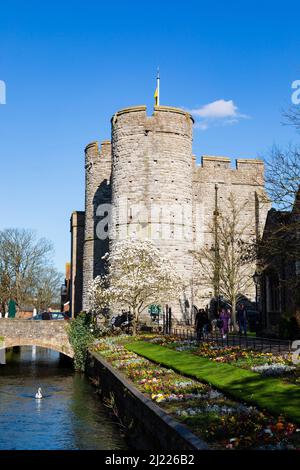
(99, 297)
(138, 276)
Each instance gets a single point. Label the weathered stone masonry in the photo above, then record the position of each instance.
(77, 223)
(97, 191)
(50, 334)
(149, 169)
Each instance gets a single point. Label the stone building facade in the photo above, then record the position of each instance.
(77, 224)
(279, 281)
(146, 182)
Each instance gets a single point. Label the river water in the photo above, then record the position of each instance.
(70, 416)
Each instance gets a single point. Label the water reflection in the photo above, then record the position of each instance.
(69, 417)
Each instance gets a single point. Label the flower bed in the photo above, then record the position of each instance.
(221, 421)
(268, 364)
(273, 369)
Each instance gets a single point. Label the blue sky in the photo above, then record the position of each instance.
(68, 66)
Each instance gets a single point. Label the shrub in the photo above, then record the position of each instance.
(80, 337)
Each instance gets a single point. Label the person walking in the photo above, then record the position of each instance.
(225, 316)
(200, 321)
(207, 324)
(219, 322)
(241, 317)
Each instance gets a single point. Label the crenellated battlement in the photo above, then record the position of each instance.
(214, 169)
(92, 146)
(131, 109)
(157, 109)
(210, 161)
(94, 150)
(164, 119)
(171, 109)
(105, 149)
(246, 164)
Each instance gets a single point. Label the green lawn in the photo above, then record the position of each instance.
(267, 393)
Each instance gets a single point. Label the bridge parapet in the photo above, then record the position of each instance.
(50, 334)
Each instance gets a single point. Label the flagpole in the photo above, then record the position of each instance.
(158, 80)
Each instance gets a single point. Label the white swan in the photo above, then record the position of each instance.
(39, 395)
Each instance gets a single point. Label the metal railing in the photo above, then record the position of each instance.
(244, 342)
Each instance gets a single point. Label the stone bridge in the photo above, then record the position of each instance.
(50, 334)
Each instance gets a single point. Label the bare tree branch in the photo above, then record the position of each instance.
(26, 271)
(236, 253)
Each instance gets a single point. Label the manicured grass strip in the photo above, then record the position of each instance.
(267, 393)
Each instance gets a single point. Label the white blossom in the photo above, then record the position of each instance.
(273, 369)
(138, 276)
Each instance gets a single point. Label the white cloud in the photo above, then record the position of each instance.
(217, 113)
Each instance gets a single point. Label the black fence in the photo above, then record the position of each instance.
(167, 320)
(245, 342)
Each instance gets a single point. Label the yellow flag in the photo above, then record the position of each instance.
(156, 96)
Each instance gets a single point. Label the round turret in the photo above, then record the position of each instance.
(152, 175)
(97, 191)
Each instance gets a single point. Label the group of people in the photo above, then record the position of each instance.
(222, 321)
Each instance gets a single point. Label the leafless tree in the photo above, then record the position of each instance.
(26, 270)
(282, 178)
(229, 255)
(47, 290)
(280, 244)
(291, 117)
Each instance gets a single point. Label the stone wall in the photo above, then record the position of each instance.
(148, 426)
(45, 333)
(77, 241)
(97, 191)
(245, 183)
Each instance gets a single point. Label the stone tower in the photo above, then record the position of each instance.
(157, 191)
(152, 177)
(97, 191)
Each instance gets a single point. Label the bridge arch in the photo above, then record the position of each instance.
(44, 333)
(11, 343)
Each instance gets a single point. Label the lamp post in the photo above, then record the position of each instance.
(216, 250)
